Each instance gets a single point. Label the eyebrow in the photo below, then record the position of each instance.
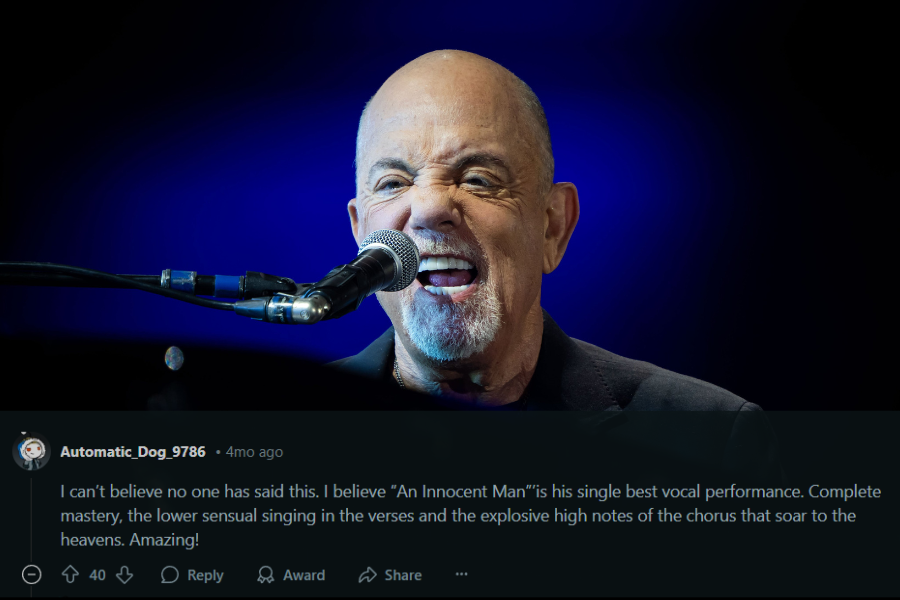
(485, 159)
(477, 159)
(390, 163)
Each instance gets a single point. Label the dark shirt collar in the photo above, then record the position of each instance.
(566, 377)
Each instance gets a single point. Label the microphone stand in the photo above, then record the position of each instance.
(180, 285)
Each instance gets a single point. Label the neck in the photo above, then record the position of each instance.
(497, 376)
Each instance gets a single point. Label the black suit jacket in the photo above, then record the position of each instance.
(674, 423)
(574, 375)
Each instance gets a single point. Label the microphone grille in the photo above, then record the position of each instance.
(405, 251)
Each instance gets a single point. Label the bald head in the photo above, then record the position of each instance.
(455, 85)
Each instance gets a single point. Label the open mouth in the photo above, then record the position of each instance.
(446, 275)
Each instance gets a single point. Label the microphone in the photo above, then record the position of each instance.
(388, 260)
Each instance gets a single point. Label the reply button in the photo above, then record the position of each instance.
(205, 576)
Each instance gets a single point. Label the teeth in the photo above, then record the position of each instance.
(434, 263)
(445, 291)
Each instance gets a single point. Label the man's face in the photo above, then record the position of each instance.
(449, 158)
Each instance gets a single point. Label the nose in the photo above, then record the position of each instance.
(434, 209)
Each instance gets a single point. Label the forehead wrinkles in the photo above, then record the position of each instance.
(436, 128)
(440, 132)
(427, 110)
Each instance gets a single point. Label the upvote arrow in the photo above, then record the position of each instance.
(123, 575)
(70, 574)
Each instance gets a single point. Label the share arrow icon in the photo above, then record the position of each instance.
(123, 575)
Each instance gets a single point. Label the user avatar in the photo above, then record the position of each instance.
(32, 451)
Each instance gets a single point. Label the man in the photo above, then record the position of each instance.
(454, 150)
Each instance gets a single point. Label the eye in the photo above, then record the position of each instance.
(390, 185)
(476, 180)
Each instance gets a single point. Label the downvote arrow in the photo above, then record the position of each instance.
(123, 575)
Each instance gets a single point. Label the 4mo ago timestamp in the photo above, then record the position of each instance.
(266, 453)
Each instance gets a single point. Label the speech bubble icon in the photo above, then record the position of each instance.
(169, 574)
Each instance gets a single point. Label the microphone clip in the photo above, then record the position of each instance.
(285, 309)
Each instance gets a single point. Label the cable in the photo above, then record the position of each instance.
(122, 281)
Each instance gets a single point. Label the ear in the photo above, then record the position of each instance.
(354, 219)
(560, 219)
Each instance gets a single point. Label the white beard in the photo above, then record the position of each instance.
(452, 331)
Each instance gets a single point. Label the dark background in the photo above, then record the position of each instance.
(733, 163)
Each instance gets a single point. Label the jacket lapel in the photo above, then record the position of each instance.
(376, 360)
(566, 377)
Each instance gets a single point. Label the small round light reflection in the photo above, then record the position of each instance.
(174, 358)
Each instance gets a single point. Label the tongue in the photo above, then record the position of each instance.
(449, 277)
